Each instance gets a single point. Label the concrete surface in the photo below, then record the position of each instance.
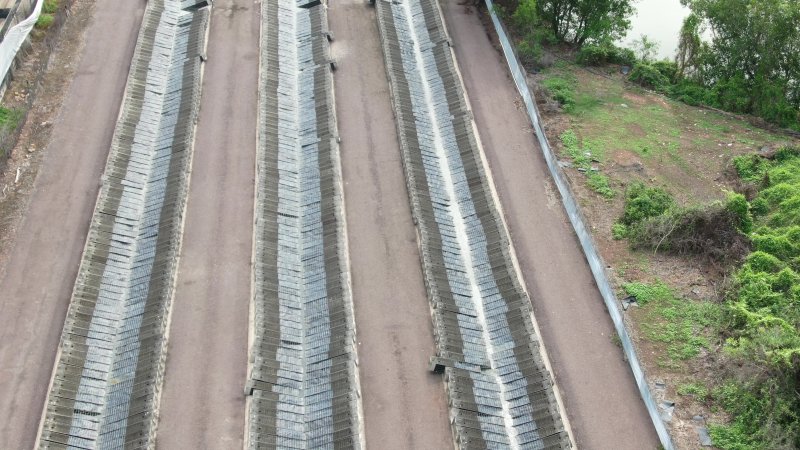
(41, 269)
(404, 405)
(596, 384)
(203, 403)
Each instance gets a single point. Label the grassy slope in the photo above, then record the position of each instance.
(623, 134)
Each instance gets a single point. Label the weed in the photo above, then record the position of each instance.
(50, 7)
(696, 390)
(643, 202)
(599, 183)
(44, 21)
(619, 231)
(681, 325)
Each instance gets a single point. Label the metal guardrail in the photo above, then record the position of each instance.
(303, 379)
(500, 391)
(578, 224)
(108, 374)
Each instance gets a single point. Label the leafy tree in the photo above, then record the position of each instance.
(753, 59)
(689, 45)
(581, 21)
(525, 17)
(646, 49)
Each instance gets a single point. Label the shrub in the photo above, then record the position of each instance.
(750, 167)
(648, 76)
(738, 205)
(524, 17)
(529, 53)
(44, 21)
(619, 231)
(667, 68)
(643, 202)
(624, 56)
(562, 90)
(599, 183)
(692, 93)
(711, 232)
(593, 55)
(50, 6)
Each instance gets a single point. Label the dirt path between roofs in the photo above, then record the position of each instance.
(598, 389)
(404, 404)
(203, 403)
(44, 250)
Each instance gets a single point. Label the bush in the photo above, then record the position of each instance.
(529, 52)
(750, 168)
(667, 68)
(643, 202)
(605, 53)
(692, 93)
(650, 77)
(593, 55)
(738, 205)
(562, 90)
(50, 7)
(44, 21)
(599, 183)
(619, 231)
(711, 232)
(624, 56)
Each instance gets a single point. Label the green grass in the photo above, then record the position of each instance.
(697, 390)
(50, 7)
(582, 157)
(9, 118)
(608, 118)
(44, 21)
(681, 326)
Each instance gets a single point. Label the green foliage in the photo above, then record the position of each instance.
(646, 293)
(582, 159)
(696, 390)
(50, 6)
(691, 93)
(681, 325)
(645, 49)
(599, 183)
(582, 21)
(529, 52)
(745, 61)
(762, 315)
(562, 90)
(648, 76)
(750, 167)
(44, 21)
(9, 118)
(604, 53)
(738, 205)
(643, 202)
(766, 415)
(619, 231)
(524, 17)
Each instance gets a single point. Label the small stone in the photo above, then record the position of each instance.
(623, 105)
(705, 438)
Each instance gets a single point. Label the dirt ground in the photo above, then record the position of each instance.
(46, 215)
(203, 402)
(600, 395)
(404, 405)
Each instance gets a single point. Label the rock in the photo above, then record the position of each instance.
(705, 438)
(667, 408)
